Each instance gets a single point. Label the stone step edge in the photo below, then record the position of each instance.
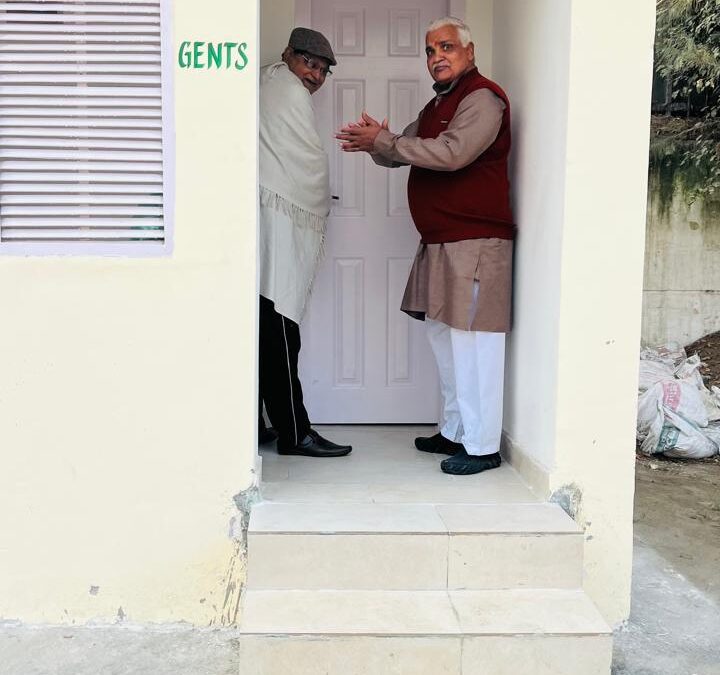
(574, 602)
(442, 528)
(375, 533)
(411, 636)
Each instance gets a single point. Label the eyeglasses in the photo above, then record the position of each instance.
(315, 64)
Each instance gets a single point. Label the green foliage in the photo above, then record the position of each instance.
(687, 58)
(687, 45)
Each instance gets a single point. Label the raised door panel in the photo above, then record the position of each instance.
(404, 32)
(403, 105)
(349, 348)
(349, 32)
(349, 102)
(399, 335)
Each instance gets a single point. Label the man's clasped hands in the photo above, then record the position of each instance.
(360, 136)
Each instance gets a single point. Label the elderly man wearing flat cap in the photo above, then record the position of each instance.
(294, 205)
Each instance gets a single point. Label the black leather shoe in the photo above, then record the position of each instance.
(314, 445)
(439, 444)
(266, 436)
(463, 464)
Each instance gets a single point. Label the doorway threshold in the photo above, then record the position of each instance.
(383, 468)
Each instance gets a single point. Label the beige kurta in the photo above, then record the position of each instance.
(443, 275)
(442, 279)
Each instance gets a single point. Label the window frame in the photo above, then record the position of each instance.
(130, 249)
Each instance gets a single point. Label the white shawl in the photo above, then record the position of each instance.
(294, 192)
(294, 175)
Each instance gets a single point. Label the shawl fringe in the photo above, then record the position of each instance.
(300, 217)
(303, 219)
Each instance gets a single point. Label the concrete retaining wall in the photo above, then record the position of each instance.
(681, 297)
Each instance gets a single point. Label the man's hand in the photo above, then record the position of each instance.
(360, 136)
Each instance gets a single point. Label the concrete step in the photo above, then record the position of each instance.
(538, 632)
(412, 547)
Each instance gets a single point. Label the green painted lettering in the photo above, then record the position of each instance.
(184, 55)
(198, 54)
(214, 54)
(243, 56)
(229, 47)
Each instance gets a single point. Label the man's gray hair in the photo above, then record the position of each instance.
(462, 28)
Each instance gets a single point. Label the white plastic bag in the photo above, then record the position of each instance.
(671, 354)
(650, 419)
(715, 392)
(670, 416)
(689, 371)
(681, 438)
(684, 399)
(652, 372)
(674, 406)
(713, 433)
(711, 405)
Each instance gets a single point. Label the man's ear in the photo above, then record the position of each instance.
(471, 47)
(287, 54)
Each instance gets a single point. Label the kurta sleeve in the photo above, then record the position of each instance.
(409, 132)
(470, 132)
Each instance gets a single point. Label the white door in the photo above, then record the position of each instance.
(363, 360)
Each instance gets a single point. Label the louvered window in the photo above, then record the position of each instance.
(85, 113)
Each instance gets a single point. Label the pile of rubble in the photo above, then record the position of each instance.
(678, 416)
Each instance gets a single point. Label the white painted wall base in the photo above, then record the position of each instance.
(536, 476)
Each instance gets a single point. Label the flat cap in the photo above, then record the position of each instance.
(312, 42)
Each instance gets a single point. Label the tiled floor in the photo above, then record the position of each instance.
(384, 467)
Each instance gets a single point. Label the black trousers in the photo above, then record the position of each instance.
(280, 388)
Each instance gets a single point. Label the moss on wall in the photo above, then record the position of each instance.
(683, 158)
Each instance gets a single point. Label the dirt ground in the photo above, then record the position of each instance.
(677, 513)
(677, 502)
(708, 348)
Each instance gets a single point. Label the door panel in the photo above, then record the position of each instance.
(363, 360)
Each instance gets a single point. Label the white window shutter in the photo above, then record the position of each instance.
(82, 161)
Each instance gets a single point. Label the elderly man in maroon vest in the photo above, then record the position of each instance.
(461, 280)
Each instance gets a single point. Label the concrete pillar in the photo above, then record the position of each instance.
(579, 75)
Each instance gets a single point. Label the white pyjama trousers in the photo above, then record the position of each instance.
(471, 366)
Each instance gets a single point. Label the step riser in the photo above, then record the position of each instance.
(414, 561)
(360, 562)
(467, 655)
(515, 561)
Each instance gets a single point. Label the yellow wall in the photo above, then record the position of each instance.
(127, 404)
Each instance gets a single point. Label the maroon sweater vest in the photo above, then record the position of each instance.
(472, 202)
